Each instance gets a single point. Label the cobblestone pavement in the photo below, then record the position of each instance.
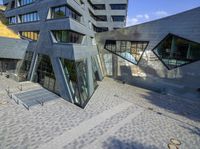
(118, 116)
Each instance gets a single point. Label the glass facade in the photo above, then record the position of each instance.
(99, 29)
(26, 65)
(128, 50)
(67, 36)
(65, 11)
(33, 35)
(29, 17)
(25, 2)
(44, 74)
(76, 75)
(118, 6)
(175, 51)
(95, 74)
(97, 6)
(12, 20)
(98, 17)
(118, 18)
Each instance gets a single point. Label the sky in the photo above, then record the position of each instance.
(140, 11)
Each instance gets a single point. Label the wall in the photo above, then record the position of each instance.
(150, 72)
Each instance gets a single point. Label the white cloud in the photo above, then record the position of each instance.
(161, 13)
(131, 21)
(140, 18)
(146, 16)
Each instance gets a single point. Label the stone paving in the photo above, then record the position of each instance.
(118, 116)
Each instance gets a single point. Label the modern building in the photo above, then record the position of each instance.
(62, 54)
(161, 55)
(67, 55)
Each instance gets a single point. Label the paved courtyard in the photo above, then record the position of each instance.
(118, 116)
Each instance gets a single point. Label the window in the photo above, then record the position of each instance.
(67, 36)
(29, 17)
(33, 35)
(12, 4)
(98, 17)
(44, 74)
(99, 29)
(118, 18)
(25, 2)
(97, 6)
(12, 20)
(175, 51)
(131, 51)
(118, 6)
(76, 74)
(65, 11)
(26, 65)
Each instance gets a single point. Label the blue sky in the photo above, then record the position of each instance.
(140, 11)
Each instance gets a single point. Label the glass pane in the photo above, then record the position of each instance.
(44, 74)
(175, 51)
(76, 75)
(129, 50)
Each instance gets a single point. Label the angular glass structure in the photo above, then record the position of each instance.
(176, 51)
(131, 51)
(44, 74)
(25, 67)
(76, 75)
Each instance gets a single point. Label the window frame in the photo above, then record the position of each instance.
(132, 41)
(164, 39)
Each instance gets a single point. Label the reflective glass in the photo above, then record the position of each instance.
(175, 51)
(129, 50)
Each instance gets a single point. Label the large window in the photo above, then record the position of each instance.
(131, 51)
(64, 11)
(25, 2)
(175, 51)
(13, 4)
(118, 6)
(33, 35)
(99, 29)
(26, 65)
(12, 20)
(98, 17)
(29, 17)
(44, 74)
(76, 74)
(97, 6)
(118, 18)
(67, 36)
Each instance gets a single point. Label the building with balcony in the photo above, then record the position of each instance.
(62, 54)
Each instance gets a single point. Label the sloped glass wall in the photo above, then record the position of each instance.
(175, 51)
(76, 75)
(129, 50)
(25, 67)
(44, 74)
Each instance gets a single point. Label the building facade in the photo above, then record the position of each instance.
(62, 54)
(161, 55)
